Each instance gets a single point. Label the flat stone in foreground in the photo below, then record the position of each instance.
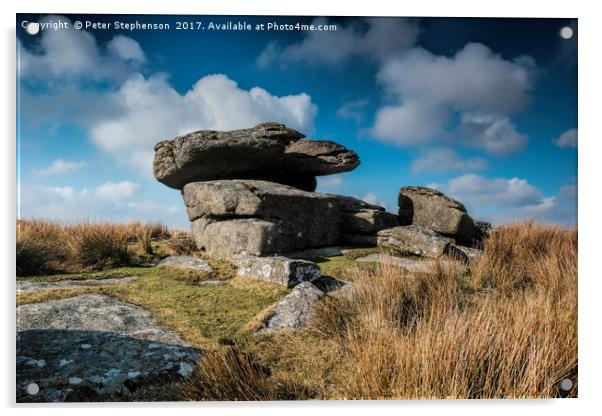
(95, 345)
(413, 264)
(186, 263)
(24, 286)
(414, 240)
(295, 311)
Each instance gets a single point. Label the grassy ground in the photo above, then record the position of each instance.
(506, 329)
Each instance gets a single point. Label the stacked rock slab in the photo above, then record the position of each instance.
(250, 192)
(268, 151)
(430, 208)
(248, 217)
(360, 221)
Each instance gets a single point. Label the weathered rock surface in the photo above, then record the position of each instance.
(278, 269)
(430, 208)
(268, 151)
(318, 157)
(312, 253)
(482, 232)
(330, 284)
(255, 198)
(294, 311)
(249, 217)
(208, 154)
(359, 217)
(471, 256)
(414, 264)
(413, 240)
(94, 344)
(32, 285)
(186, 263)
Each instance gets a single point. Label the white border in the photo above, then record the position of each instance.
(590, 202)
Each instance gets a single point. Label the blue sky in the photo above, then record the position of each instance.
(483, 109)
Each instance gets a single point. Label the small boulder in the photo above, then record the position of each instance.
(295, 311)
(413, 240)
(430, 208)
(186, 263)
(468, 255)
(278, 269)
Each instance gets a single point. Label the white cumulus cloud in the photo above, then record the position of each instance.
(443, 159)
(496, 135)
(501, 200)
(567, 139)
(425, 90)
(126, 48)
(116, 191)
(75, 54)
(373, 38)
(152, 110)
(57, 167)
(115, 201)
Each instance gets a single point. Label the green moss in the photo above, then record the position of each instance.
(104, 274)
(340, 266)
(203, 315)
(355, 254)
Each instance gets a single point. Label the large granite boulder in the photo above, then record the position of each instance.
(255, 198)
(430, 208)
(248, 217)
(414, 240)
(268, 151)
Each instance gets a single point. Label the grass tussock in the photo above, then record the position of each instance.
(513, 334)
(229, 375)
(46, 247)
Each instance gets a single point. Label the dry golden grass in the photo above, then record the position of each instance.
(229, 375)
(40, 247)
(507, 331)
(45, 247)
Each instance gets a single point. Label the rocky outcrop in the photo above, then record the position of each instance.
(414, 240)
(93, 345)
(280, 270)
(295, 311)
(430, 208)
(250, 193)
